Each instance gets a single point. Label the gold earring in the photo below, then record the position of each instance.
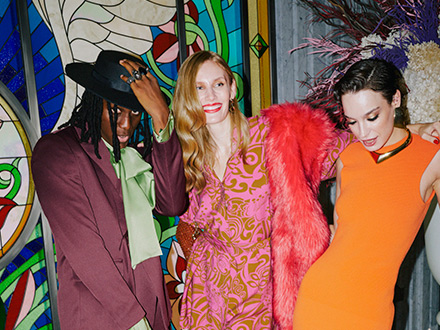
(231, 106)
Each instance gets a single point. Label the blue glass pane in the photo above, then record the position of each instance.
(46, 75)
(53, 105)
(46, 61)
(3, 7)
(54, 87)
(39, 62)
(10, 50)
(36, 245)
(233, 17)
(200, 6)
(43, 271)
(40, 37)
(9, 269)
(26, 253)
(42, 321)
(165, 252)
(34, 18)
(205, 24)
(236, 54)
(7, 74)
(47, 123)
(39, 278)
(21, 96)
(212, 46)
(49, 312)
(50, 51)
(9, 21)
(169, 69)
(155, 31)
(16, 82)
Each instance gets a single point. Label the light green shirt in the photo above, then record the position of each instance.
(164, 134)
(141, 325)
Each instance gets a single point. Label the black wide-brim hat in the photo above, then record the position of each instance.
(103, 78)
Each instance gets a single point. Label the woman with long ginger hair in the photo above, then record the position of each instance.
(193, 122)
(222, 155)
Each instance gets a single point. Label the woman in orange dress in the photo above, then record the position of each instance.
(385, 183)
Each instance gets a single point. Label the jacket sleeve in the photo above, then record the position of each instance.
(60, 187)
(166, 159)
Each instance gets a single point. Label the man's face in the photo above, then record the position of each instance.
(126, 123)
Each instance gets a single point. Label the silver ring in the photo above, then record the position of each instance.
(130, 80)
(136, 75)
(143, 71)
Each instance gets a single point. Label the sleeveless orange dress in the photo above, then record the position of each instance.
(380, 210)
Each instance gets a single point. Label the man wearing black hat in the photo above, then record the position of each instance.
(99, 195)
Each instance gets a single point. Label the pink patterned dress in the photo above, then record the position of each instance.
(229, 279)
(228, 284)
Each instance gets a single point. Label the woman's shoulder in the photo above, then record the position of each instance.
(417, 139)
(424, 147)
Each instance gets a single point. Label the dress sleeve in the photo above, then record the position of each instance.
(342, 140)
(57, 174)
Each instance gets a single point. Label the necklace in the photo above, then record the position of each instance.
(379, 158)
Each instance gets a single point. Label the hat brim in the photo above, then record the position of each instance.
(82, 74)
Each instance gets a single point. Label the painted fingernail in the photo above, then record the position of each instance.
(436, 141)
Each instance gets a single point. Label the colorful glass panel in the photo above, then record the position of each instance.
(24, 290)
(210, 25)
(16, 185)
(23, 282)
(47, 64)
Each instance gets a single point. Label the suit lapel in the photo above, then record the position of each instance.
(105, 168)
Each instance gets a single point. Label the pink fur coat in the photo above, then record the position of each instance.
(296, 145)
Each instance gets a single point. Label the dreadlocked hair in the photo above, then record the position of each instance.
(87, 117)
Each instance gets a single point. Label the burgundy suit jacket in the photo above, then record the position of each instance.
(82, 199)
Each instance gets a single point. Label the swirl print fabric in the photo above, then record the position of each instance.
(229, 284)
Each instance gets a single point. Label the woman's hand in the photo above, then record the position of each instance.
(147, 90)
(429, 131)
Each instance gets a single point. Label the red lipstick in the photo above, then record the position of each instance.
(212, 108)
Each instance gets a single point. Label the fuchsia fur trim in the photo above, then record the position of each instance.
(296, 145)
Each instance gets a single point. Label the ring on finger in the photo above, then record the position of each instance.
(143, 71)
(130, 80)
(136, 75)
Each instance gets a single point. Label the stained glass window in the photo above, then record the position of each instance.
(209, 24)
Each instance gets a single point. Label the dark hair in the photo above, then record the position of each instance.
(380, 76)
(87, 116)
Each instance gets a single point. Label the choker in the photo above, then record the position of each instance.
(379, 158)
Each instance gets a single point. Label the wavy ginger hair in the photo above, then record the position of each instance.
(198, 147)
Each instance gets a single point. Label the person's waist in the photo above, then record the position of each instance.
(234, 244)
